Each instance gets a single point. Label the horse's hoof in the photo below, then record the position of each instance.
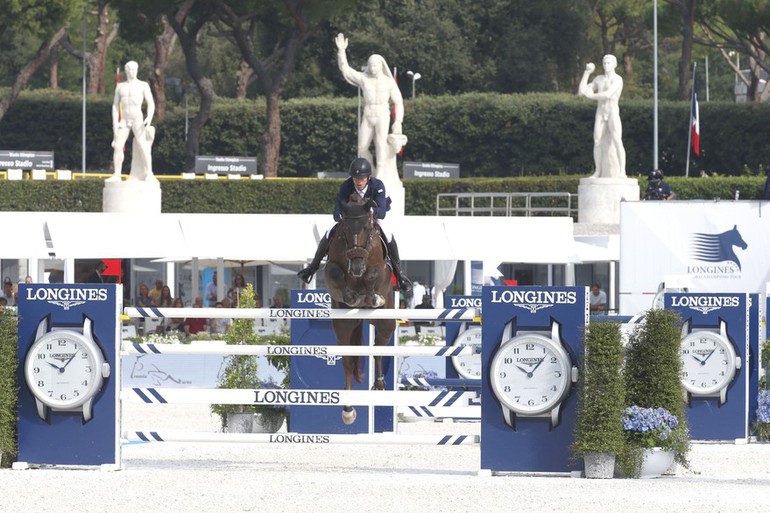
(348, 415)
(377, 301)
(379, 384)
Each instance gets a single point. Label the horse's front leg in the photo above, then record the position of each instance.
(372, 280)
(379, 380)
(348, 412)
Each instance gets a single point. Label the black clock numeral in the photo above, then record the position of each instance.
(76, 393)
(703, 384)
(530, 347)
(63, 397)
(531, 402)
(507, 361)
(41, 384)
(685, 351)
(36, 370)
(503, 374)
(41, 356)
(85, 383)
(49, 346)
(554, 359)
(84, 356)
(557, 374)
(516, 350)
(545, 399)
(553, 388)
(88, 369)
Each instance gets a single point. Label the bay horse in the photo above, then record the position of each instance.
(358, 276)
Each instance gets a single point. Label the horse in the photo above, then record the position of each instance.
(358, 276)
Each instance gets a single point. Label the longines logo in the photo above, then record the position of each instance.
(706, 304)
(66, 298)
(534, 300)
(465, 302)
(319, 299)
(716, 250)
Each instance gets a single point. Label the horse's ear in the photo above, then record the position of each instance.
(368, 204)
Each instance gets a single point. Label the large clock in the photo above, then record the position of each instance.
(468, 366)
(64, 369)
(709, 362)
(531, 374)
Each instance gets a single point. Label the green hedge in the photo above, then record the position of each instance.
(9, 387)
(314, 196)
(489, 135)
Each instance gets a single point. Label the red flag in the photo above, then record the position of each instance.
(695, 118)
(113, 268)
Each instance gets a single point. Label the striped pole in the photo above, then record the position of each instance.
(279, 397)
(441, 382)
(428, 314)
(296, 350)
(301, 438)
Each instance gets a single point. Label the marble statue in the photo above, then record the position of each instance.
(609, 154)
(127, 118)
(380, 90)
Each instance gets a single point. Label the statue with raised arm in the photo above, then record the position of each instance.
(380, 90)
(127, 118)
(609, 154)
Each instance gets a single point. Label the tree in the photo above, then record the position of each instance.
(741, 26)
(96, 59)
(42, 20)
(687, 11)
(270, 36)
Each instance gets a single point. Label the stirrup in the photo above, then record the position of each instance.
(306, 274)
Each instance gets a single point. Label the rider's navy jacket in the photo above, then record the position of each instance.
(375, 191)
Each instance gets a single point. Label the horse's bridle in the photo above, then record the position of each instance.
(356, 249)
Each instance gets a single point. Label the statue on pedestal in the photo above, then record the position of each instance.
(609, 154)
(127, 118)
(379, 90)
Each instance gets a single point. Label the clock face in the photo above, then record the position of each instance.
(468, 367)
(708, 362)
(63, 370)
(530, 374)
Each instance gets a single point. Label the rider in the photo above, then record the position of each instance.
(362, 182)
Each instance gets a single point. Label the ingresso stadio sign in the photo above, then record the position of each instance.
(431, 170)
(226, 165)
(11, 159)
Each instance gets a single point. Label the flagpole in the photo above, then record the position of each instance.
(689, 126)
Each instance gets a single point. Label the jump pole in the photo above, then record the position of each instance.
(301, 438)
(418, 314)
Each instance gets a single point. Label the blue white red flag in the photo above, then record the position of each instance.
(695, 118)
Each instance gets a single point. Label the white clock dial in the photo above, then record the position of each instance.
(530, 374)
(469, 366)
(708, 362)
(63, 370)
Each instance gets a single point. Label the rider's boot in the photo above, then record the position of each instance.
(307, 273)
(403, 282)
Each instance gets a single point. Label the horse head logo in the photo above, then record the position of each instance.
(718, 247)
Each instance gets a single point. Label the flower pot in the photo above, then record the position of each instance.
(267, 423)
(655, 462)
(240, 422)
(599, 465)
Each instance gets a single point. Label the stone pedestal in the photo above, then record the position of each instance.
(599, 198)
(132, 196)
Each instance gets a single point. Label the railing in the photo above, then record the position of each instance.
(526, 204)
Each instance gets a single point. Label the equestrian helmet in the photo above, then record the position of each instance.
(360, 167)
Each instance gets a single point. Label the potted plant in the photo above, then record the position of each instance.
(242, 372)
(598, 431)
(656, 431)
(652, 374)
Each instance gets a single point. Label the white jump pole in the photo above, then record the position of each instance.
(301, 438)
(218, 349)
(418, 314)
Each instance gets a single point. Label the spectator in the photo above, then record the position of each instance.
(165, 298)
(193, 325)
(28, 279)
(277, 302)
(425, 304)
(220, 325)
(3, 303)
(8, 292)
(96, 275)
(144, 299)
(235, 292)
(155, 293)
(598, 299)
(211, 291)
(175, 323)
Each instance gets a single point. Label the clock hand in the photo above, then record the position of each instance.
(68, 361)
(703, 362)
(525, 371)
(54, 366)
(697, 359)
(535, 367)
